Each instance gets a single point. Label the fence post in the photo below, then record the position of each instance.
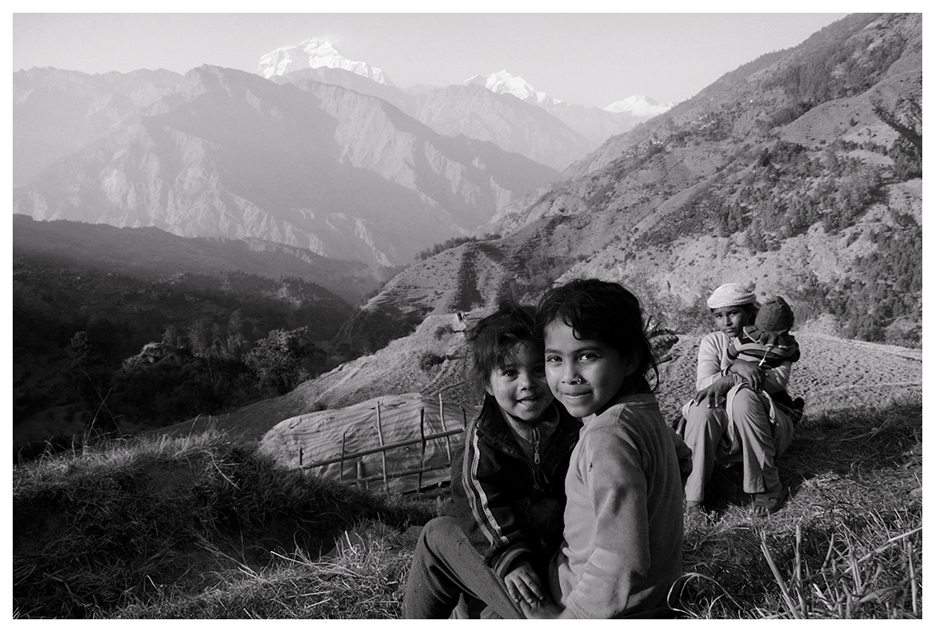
(343, 443)
(441, 415)
(386, 484)
(421, 446)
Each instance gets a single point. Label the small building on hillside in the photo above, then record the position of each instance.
(394, 443)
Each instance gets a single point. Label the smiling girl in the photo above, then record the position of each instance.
(622, 545)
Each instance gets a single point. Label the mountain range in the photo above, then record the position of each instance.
(314, 151)
(229, 154)
(595, 124)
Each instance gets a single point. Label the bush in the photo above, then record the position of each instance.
(430, 360)
(886, 289)
(162, 389)
(285, 359)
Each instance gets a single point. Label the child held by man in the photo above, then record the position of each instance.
(768, 344)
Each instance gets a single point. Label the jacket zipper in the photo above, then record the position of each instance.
(535, 443)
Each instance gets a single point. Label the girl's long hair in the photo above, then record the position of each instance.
(607, 312)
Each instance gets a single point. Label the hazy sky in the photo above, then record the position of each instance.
(586, 58)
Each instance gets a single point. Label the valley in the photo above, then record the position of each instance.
(321, 198)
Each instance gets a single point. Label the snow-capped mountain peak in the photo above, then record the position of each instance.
(315, 53)
(638, 105)
(504, 83)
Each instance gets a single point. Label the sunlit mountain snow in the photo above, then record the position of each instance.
(315, 53)
(638, 105)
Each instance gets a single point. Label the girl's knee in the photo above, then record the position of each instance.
(436, 529)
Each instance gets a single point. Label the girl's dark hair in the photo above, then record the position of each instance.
(606, 312)
(494, 337)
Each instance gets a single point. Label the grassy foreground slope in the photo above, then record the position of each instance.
(198, 527)
(145, 521)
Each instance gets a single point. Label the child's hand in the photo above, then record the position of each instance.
(749, 373)
(522, 584)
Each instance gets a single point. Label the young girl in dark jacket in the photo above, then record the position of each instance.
(508, 489)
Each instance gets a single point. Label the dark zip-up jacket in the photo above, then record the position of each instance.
(509, 506)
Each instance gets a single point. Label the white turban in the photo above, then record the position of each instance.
(730, 295)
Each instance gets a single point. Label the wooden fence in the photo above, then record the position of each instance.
(423, 440)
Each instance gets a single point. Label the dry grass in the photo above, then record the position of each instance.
(141, 521)
(199, 528)
(848, 543)
(364, 580)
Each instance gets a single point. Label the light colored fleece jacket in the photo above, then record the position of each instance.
(623, 517)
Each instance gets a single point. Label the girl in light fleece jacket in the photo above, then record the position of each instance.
(623, 515)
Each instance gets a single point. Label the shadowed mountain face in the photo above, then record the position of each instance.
(153, 254)
(230, 154)
(57, 112)
(471, 111)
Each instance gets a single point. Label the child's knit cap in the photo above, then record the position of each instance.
(773, 321)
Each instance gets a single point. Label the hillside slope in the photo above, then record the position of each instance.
(799, 172)
(832, 373)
